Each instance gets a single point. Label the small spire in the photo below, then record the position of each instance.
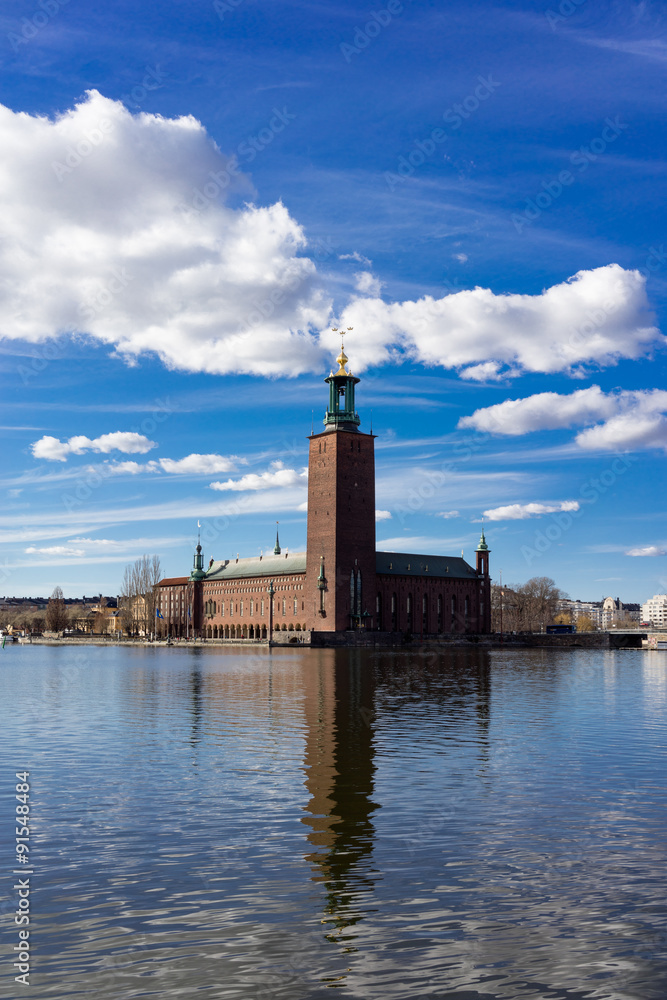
(482, 547)
(342, 358)
(277, 549)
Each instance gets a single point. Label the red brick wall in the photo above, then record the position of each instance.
(417, 588)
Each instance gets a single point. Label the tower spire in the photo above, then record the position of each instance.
(277, 550)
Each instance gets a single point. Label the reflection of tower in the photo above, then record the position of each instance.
(341, 513)
(339, 777)
(196, 591)
(484, 623)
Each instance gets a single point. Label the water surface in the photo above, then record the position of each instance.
(244, 823)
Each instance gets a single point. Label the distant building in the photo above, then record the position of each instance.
(655, 610)
(341, 583)
(604, 614)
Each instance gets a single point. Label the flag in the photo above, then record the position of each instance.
(158, 614)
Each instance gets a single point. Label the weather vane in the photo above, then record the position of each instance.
(342, 334)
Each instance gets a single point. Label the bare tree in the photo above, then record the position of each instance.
(138, 594)
(56, 613)
(526, 607)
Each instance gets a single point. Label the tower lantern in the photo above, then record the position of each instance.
(341, 413)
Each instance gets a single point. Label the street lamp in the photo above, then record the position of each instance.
(271, 593)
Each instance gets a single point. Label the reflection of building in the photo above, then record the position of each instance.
(655, 610)
(340, 583)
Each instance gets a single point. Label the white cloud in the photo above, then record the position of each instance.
(521, 511)
(55, 550)
(382, 515)
(461, 257)
(103, 543)
(447, 513)
(597, 316)
(489, 371)
(200, 464)
(54, 450)
(630, 419)
(277, 477)
(367, 283)
(130, 241)
(126, 468)
(355, 256)
(647, 550)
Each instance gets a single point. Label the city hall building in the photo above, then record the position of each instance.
(341, 584)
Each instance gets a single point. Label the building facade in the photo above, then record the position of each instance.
(341, 583)
(655, 610)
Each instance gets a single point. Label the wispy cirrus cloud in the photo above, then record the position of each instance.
(646, 550)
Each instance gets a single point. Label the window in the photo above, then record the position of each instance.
(252, 608)
(222, 609)
(284, 607)
(295, 607)
(262, 609)
(241, 609)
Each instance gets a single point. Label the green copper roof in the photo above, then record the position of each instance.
(482, 547)
(271, 565)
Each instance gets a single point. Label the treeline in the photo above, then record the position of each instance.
(525, 607)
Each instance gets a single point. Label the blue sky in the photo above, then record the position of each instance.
(195, 193)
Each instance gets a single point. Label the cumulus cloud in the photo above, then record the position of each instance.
(621, 420)
(597, 316)
(55, 550)
(200, 464)
(382, 515)
(125, 468)
(647, 550)
(367, 283)
(521, 511)
(54, 450)
(277, 477)
(116, 225)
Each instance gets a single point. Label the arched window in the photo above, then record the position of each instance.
(241, 609)
(262, 609)
(252, 608)
(284, 607)
(453, 622)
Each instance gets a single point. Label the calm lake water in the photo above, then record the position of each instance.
(243, 823)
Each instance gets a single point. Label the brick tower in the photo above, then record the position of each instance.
(340, 564)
